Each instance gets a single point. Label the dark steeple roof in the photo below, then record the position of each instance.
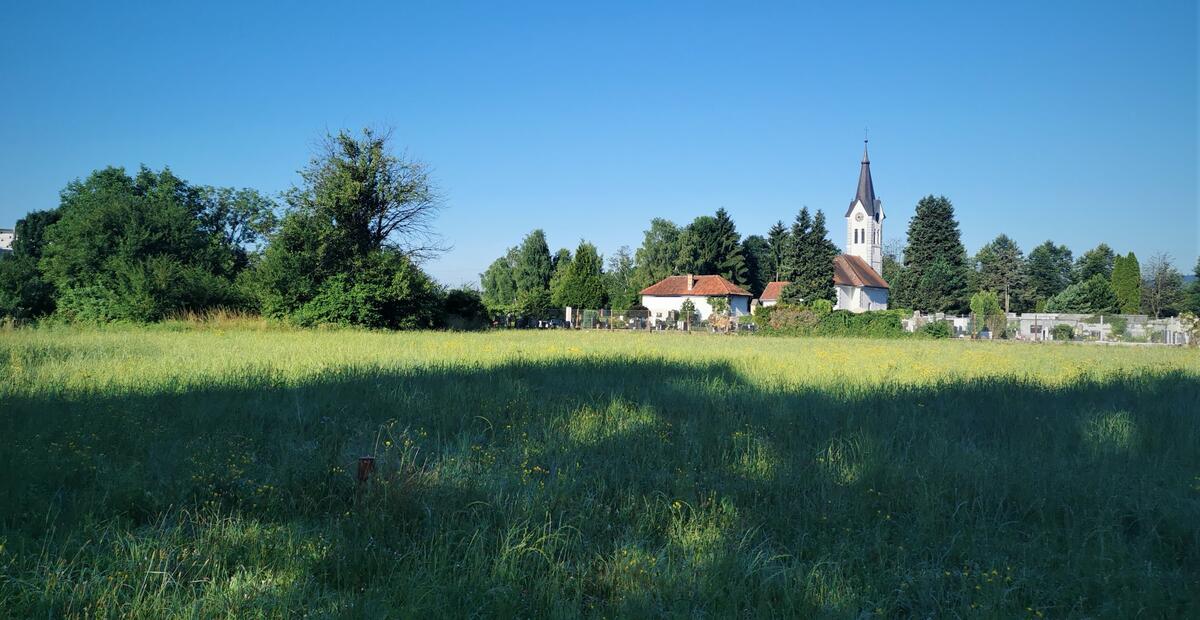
(866, 189)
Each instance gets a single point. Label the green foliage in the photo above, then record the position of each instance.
(758, 263)
(344, 252)
(1192, 303)
(985, 306)
(139, 246)
(731, 262)
(31, 232)
(562, 264)
(711, 245)
(1000, 267)
(499, 285)
(936, 330)
(1063, 332)
(24, 295)
(935, 275)
(719, 305)
(808, 264)
(1094, 296)
(1050, 268)
(463, 309)
(531, 273)
(659, 253)
(383, 290)
(1127, 283)
(583, 284)
(821, 306)
(1095, 262)
(620, 281)
(777, 247)
(687, 311)
(1162, 287)
(801, 320)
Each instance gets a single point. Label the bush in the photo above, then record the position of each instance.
(386, 290)
(1062, 331)
(463, 310)
(799, 320)
(937, 329)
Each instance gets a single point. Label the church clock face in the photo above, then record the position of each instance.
(858, 217)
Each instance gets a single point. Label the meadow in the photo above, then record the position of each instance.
(209, 471)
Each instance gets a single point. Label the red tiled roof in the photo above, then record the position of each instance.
(673, 286)
(849, 270)
(773, 291)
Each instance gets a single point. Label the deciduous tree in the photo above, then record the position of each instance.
(1162, 287)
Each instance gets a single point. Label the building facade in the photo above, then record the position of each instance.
(664, 298)
(6, 239)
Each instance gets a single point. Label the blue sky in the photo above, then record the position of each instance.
(1070, 121)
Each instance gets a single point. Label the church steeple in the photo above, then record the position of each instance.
(864, 219)
(866, 189)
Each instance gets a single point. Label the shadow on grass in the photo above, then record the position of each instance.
(606, 487)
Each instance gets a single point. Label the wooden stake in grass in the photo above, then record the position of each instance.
(366, 465)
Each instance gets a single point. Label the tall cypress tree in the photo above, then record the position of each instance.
(731, 263)
(1127, 283)
(777, 240)
(935, 275)
(758, 261)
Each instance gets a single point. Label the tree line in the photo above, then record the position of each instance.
(931, 272)
(343, 246)
(529, 281)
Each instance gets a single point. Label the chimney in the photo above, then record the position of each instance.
(691, 281)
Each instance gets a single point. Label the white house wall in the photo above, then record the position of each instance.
(660, 306)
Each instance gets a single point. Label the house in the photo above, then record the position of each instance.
(6, 240)
(665, 297)
(771, 293)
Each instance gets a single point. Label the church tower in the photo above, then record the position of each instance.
(864, 220)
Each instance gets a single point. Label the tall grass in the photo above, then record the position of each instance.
(210, 472)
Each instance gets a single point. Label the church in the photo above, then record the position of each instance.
(856, 277)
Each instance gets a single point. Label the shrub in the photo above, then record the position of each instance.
(799, 320)
(1062, 331)
(463, 309)
(386, 290)
(821, 306)
(936, 329)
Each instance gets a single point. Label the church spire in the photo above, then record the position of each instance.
(866, 189)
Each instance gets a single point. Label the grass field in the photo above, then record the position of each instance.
(207, 472)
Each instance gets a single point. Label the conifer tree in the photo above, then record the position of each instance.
(935, 272)
(777, 240)
(1127, 283)
(731, 263)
